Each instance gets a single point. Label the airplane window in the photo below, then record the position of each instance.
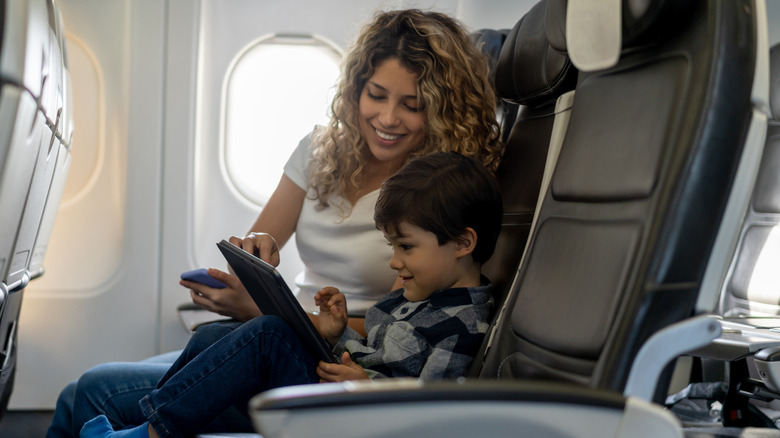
(275, 92)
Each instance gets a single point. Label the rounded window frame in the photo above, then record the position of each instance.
(236, 179)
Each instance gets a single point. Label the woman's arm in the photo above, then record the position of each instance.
(276, 222)
(272, 229)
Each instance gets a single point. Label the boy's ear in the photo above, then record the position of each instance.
(466, 242)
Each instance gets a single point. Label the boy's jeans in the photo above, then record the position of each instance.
(245, 360)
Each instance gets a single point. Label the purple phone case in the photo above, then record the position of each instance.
(202, 276)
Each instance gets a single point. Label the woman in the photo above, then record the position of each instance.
(353, 156)
(412, 84)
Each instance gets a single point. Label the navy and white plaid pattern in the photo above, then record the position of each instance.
(432, 339)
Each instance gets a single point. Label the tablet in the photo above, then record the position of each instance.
(272, 296)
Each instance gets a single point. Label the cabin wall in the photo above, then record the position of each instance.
(143, 203)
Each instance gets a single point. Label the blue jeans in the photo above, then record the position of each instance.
(200, 392)
(114, 389)
(261, 354)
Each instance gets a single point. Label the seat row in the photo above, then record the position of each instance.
(36, 129)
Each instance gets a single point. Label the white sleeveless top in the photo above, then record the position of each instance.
(348, 253)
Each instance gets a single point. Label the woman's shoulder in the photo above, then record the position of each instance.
(310, 139)
(297, 165)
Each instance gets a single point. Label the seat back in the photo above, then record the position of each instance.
(22, 122)
(751, 285)
(52, 151)
(624, 231)
(529, 76)
(490, 42)
(59, 147)
(35, 130)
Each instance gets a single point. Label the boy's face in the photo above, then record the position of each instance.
(423, 265)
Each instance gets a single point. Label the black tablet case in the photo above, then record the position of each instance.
(271, 294)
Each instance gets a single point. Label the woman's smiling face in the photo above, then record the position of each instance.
(392, 119)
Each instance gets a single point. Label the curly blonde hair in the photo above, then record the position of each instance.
(453, 88)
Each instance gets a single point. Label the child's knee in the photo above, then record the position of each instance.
(96, 375)
(268, 323)
(67, 394)
(208, 334)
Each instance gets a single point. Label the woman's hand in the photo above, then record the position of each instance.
(262, 245)
(332, 320)
(233, 301)
(348, 370)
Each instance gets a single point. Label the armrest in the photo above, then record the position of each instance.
(469, 408)
(664, 346)
(193, 316)
(740, 338)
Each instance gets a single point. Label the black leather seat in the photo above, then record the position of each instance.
(529, 77)
(617, 254)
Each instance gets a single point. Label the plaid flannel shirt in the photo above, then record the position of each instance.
(431, 339)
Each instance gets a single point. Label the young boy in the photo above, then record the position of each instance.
(441, 214)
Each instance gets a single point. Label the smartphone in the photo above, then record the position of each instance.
(202, 276)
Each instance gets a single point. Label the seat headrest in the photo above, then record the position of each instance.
(595, 32)
(774, 81)
(529, 71)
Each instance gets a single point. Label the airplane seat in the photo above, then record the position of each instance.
(22, 124)
(739, 370)
(62, 136)
(53, 152)
(490, 41)
(751, 287)
(605, 296)
(31, 72)
(598, 264)
(529, 78)
(24, 31)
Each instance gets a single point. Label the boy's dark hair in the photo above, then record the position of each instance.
(443, 193)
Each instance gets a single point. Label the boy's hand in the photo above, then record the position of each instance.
(333, 317)
(348, 370)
